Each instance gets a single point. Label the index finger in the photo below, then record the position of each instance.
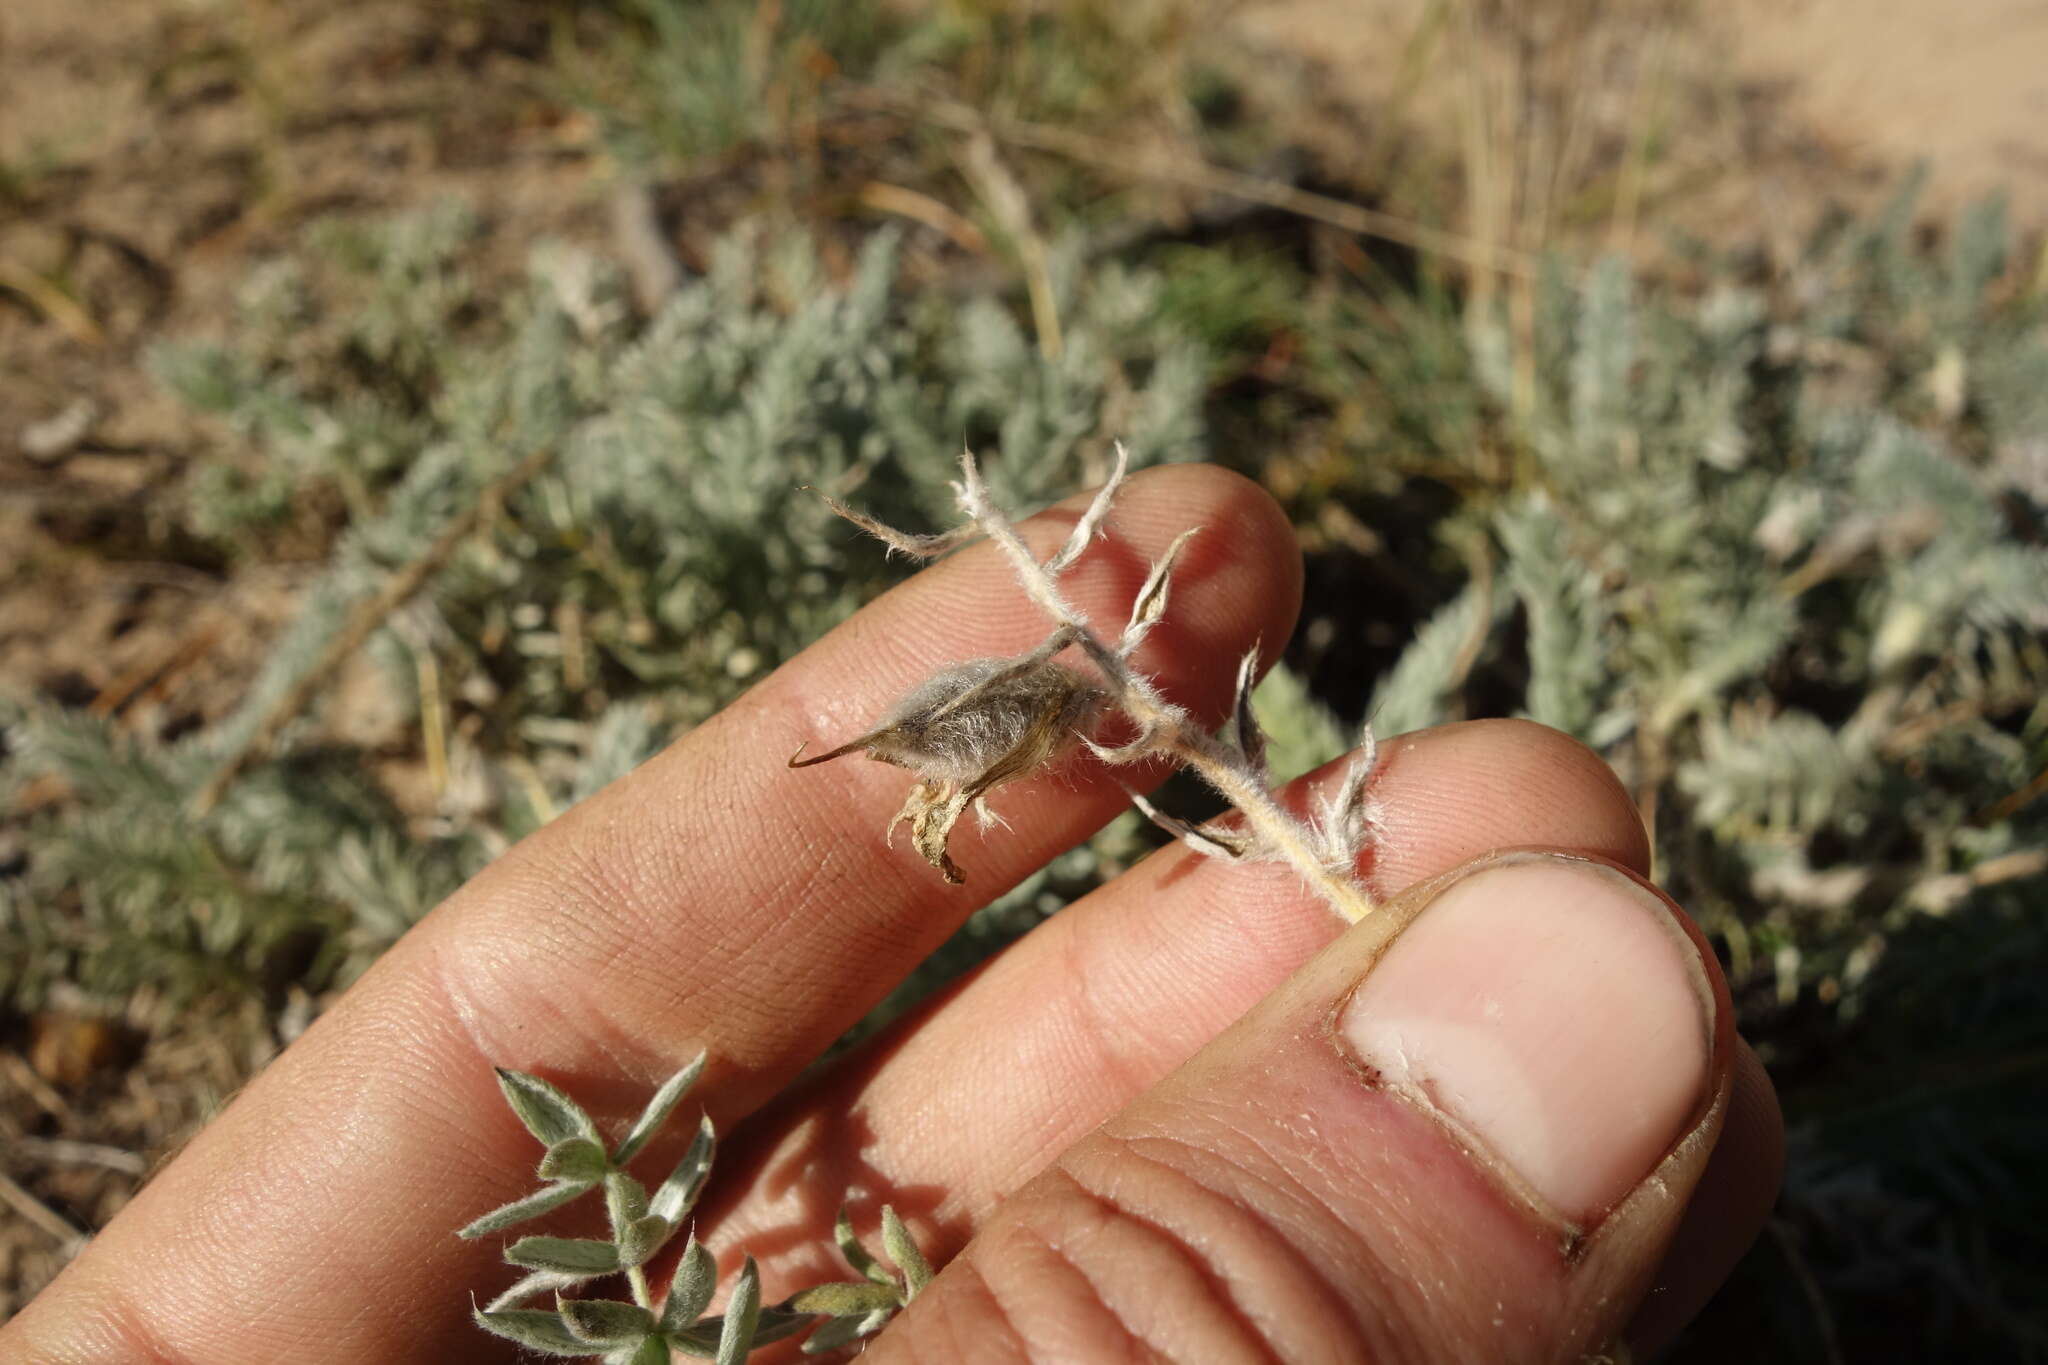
(713, 898)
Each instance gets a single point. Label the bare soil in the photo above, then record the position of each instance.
(1885, 83)
(1746, 116)
(152, 150)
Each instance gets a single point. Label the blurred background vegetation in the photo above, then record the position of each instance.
(403, 406)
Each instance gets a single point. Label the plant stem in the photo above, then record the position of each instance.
(1178, 736)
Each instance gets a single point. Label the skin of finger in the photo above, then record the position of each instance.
(1265, 1202)
(961, 1104)
(714, 898)
(1727, 1211)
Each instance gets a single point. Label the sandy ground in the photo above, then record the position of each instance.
(1962, 84)
(1796, 101)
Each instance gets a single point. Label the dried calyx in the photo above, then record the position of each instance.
(970, 728)
(976, 725)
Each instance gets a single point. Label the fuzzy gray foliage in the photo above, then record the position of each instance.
(1780, 556)
(667, 556)
(1777, 546)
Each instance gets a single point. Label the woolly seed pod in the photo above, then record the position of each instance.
(968, 729)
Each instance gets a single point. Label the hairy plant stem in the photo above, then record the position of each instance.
(1174, 733)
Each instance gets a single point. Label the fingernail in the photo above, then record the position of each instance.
(1554, 1014)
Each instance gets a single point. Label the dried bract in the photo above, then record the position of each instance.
(967, 730)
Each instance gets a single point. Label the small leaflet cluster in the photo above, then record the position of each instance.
(979, 724)
(640, 1332)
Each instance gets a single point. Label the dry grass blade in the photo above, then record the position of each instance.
(41, 1215)
(1010, 205)
(69, 315)
(1116, 158)
(884, 197)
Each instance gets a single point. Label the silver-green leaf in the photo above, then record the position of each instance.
(857, 1255)
(651, 1351)
(773, 1324)
(689, 1293)
(576, 1160)
(539, 1282)
(853, 1299)
(639, 1240)
(837, 1333)
(777, 1321)
(605, 1323)
(678, 1194)
(742, 1313)
(547, 1113)
(658, 1109)
(625, 1199)
(535, 1330)
(902, 1249)
(519, 1210)
(564, 1255)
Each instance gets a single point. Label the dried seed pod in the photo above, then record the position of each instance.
(967, 730)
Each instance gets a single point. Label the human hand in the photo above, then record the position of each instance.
(1182, 1118)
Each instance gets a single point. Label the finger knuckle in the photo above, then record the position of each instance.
(1131, 1252)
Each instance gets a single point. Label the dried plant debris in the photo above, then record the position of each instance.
(969, 729)
(978, 724)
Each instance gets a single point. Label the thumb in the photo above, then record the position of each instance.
(1466, 1131)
